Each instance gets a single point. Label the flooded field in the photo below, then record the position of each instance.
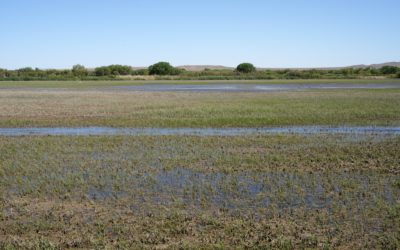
(232, 87)
(101, 190)
(249, 192)
(274, 169)
(133, 109)
(302, 130)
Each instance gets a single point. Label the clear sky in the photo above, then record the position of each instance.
(268, 33)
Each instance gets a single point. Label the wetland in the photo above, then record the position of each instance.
(103, 167)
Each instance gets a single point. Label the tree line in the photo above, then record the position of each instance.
(164, 70)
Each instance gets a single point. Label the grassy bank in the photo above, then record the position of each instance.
(200, 192)
(27, 108)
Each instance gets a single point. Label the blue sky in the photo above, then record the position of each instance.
(268, 33)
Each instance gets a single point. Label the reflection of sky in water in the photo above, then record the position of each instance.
(252, 87)
(82, 131)
(254, 190)
(241, 190)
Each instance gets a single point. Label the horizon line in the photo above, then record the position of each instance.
(396, 63)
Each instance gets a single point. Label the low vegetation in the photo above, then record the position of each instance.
(112, 71)
(185, 192)
(27, 108)
(282, 192)
(164, 71)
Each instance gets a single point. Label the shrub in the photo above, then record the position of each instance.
(140, 72)
(113, 70)
(387, 70)
(79, 70)
(245, 68)
(163, 68)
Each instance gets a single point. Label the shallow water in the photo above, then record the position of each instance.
(253, 87)
(280, 189)
(252, 191)
(87, 131)
(248, 191)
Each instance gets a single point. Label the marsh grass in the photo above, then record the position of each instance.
(283, 191)
(261, 191)
(29, 108)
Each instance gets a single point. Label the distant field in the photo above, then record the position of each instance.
(95, 84)
(28, 108)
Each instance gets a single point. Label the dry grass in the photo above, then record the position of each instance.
(54, 224)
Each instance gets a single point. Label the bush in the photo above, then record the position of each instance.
(140, 72)
(163, 68)
(388, 70)
(120, 69)
(245, 68)
(79, 70)
(113, 70)
(3, 73)
(102, 71)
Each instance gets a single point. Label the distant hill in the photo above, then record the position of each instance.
(359, 66)
(203, 67)
(376, 66)
(221, 67)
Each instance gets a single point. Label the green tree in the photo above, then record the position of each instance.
(245, 68)
(3, 72)
(388, 70)
(117, 69)
(140, 72)
(102, 71)
(113, 70)
(79, 70)
(24, 70)
(162, 68)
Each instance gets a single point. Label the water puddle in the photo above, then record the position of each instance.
(253, 87)
(246, 191)
(281, 190)
(97, 131)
